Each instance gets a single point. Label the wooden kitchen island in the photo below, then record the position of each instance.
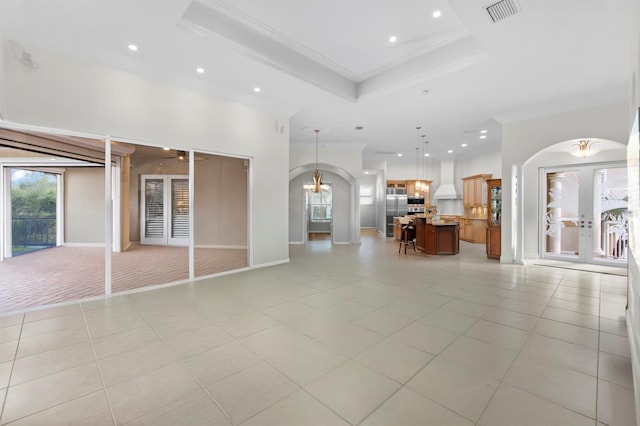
(437, 238)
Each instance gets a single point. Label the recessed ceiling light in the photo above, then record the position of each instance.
(450, 151)
(256, 89)
(133, 47)
(166, 149)
(52, 159)
(437, 14)
(427, 154)
(464, 145)
(200, 70)
(393, 39)
(400, 155)
(366, 173)
(483, 137)
(483, 131)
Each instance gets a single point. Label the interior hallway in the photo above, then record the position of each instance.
(341, 335)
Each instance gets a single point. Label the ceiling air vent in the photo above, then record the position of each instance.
(502, 10)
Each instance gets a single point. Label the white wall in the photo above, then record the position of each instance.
(3, 82)
(84, 205)
(523, 139)
(368, 213)
(343, 156)
(69, 93)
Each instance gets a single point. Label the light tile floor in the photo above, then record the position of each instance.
(341, 335)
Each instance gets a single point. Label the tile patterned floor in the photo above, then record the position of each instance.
(342, 335)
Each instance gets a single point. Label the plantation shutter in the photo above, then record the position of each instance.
(154, 208)
(180, 208)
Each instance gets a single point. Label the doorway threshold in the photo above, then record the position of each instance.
(586, 267)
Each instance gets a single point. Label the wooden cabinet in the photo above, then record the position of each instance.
(420, 187)
(421, 236)
(472, 190)
(473, 230)
(494, 218)
(443, 239)
(397, 229)
(396, 184)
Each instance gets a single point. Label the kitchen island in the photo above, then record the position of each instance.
(437, 237)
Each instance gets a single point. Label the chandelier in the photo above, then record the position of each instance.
(317, 185)
(585, 149)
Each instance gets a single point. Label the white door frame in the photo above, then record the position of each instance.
(166, 239)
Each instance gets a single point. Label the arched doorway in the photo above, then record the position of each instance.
(337, 208)
(580, 212)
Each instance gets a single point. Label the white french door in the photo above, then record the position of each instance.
(584, 214)
(165, 210)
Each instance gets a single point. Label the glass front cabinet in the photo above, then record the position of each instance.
(494, 217)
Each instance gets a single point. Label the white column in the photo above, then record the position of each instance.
(108, 216)
(191, 215)
(518, 186)
(597, 210)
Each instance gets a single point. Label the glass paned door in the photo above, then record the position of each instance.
(165, 210)
(585, 214)
(319, 217)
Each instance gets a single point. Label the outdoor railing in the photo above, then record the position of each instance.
(33, 231)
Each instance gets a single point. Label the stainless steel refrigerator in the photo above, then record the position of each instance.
(396, 206)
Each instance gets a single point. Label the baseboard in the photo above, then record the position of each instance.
(296, 242)
(220, 246)
(83, 245)
(265, 265)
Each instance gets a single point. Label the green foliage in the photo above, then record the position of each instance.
(35, 198)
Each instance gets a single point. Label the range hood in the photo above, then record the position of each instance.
(447, 189)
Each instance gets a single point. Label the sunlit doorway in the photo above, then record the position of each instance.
(319, 215)
(34, 206)
(585, 214)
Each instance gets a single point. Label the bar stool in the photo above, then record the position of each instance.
(408, 236)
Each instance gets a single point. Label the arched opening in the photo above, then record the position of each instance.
(334, 212)
(580, 211)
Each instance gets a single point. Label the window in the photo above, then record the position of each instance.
(320, 206)
(366, 195)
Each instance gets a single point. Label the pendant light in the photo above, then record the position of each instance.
(317, 185)
(420, 186)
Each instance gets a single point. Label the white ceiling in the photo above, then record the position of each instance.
(329, 63)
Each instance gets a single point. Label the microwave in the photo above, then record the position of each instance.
(415, 201)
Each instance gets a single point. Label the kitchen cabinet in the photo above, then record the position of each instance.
(472, 191)
(494, 218)
(397, 184)
(443, 238)
(421, 236)
(422, 188)
(437, 238)
(473, 230)
(397, 229)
